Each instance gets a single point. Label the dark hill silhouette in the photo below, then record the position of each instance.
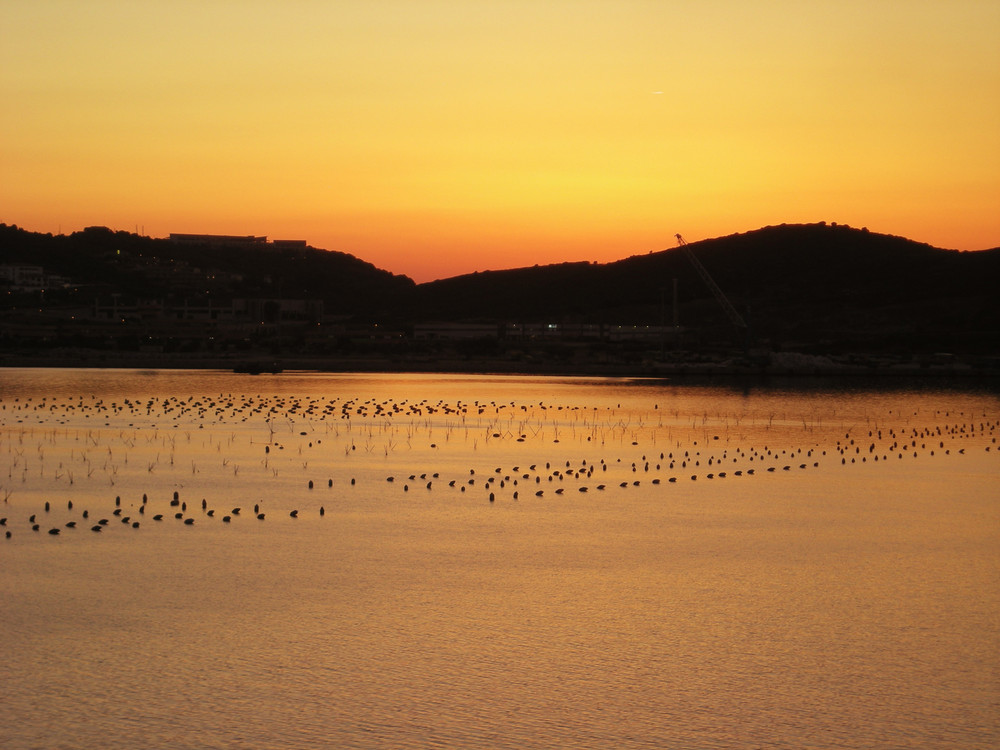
(105, 261)
(815, 284)
(816, 288)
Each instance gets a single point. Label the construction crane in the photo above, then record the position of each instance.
(734, 316)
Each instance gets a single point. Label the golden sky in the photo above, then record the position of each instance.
(438, 137)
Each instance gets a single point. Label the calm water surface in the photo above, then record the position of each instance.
(822, 572)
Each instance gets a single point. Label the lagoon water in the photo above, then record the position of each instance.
(705, 567)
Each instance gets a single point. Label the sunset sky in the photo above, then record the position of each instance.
(438, 137)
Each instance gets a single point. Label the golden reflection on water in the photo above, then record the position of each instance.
(848, 600)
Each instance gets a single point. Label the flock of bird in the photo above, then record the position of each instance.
(178, 511)
(80, 449)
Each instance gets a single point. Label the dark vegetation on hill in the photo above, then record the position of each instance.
(100, 261)
(814, 288)
(816, 285)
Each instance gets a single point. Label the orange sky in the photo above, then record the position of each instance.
(438, 137)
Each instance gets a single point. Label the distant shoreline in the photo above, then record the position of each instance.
(797, 366)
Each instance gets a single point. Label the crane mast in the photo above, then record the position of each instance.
(734, 316)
